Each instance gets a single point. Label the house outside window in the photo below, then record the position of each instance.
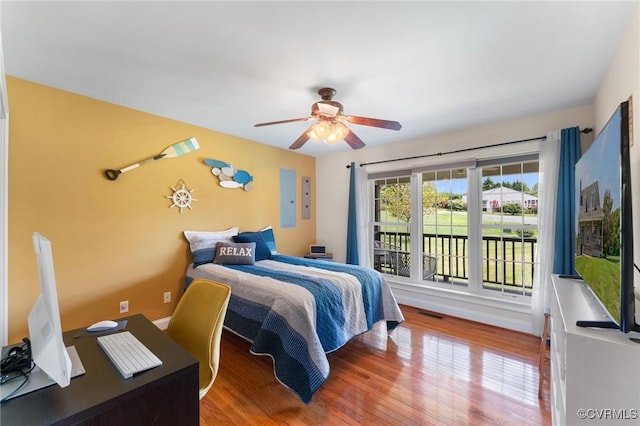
(471, 229)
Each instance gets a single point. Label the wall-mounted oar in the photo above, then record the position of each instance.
(176, 150)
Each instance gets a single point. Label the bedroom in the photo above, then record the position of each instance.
(141, 253)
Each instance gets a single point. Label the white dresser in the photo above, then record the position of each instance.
(595, 373)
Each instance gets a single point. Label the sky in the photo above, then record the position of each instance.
(459, 186)
(601, 163)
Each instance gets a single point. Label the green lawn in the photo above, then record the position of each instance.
(452, 255)
(448, 223)
(603, 274)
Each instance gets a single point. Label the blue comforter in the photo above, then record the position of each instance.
(298, 310)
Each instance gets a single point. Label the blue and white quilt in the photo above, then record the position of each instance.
(297, 310)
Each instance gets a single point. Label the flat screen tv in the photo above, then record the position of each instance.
(603, 223)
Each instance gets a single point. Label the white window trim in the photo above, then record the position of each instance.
(475, 302)
(416, 225)
(474, 229)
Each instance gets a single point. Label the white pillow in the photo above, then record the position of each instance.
(203, 243)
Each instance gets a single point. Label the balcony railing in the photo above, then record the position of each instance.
(508, 262)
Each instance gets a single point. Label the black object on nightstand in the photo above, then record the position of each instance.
(321, 256)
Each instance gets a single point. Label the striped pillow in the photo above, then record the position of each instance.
(203, 243)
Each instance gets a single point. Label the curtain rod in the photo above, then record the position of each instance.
(540, 138)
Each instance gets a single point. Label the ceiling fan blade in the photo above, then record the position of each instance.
(374, 122)
(282, 121)
(353, 141)
(301, 140)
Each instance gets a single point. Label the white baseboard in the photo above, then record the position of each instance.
(467, 307)
(162, 323)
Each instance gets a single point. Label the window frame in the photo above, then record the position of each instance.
(474, 223)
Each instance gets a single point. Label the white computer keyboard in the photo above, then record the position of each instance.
(127, 353)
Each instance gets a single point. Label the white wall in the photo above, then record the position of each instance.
(332, 199)
(623, 80)
(332, 176)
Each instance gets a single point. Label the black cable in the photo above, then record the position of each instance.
(24, 382)
(17, 358)
(17, 362)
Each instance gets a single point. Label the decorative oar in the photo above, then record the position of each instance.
(176, 150)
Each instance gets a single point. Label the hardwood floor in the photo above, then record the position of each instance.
(431, 370)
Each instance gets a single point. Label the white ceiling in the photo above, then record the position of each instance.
(432, 66)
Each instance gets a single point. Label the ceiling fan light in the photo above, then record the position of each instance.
(339, 130)
(336, 134)
(312, 134)
(321, 129)
(331, 139)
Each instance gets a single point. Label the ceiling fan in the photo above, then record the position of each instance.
(330, 123)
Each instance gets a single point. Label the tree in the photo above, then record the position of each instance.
(432, 199)
(534, 190)
(517, 186)
(513, 209)
(488, 183)
(610, 227)
(396, 199)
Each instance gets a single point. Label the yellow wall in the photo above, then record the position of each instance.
(119, 240)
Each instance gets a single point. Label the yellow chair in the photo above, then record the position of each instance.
(196, 325)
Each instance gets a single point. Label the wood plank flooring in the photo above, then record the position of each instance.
(431, 370)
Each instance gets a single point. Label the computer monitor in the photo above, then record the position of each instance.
(53, 362)
(45, 329)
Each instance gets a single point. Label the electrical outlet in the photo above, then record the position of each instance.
(124, 306)
(167, 296)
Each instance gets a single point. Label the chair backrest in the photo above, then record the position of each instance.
(196, 325)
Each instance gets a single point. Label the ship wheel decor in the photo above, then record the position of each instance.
(181, 196)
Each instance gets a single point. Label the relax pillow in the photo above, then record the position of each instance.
(235, 253)
(203, 243)
(262, 250)
(269, 238)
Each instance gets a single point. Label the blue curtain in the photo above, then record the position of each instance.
(564, 250)
(352, 228)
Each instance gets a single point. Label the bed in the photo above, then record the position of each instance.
(292, 309)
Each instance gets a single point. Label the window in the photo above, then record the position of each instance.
(445, 227)
(391, 225)
(509, 226)
(471, 228)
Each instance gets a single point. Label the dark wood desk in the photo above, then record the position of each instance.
(166, 395)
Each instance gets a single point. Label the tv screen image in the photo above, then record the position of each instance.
(603, 223)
